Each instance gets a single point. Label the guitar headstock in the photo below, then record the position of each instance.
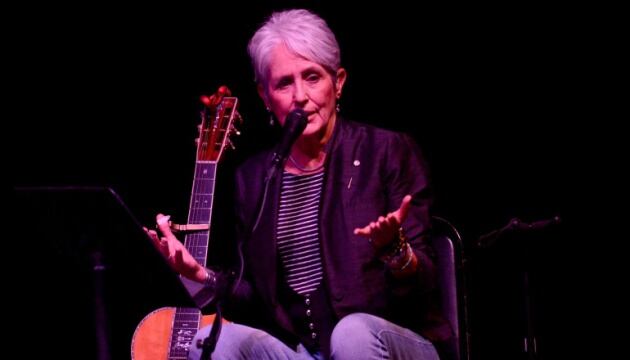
(218, 123)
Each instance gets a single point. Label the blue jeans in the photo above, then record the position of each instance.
(356, 336)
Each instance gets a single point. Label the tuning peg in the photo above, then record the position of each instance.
(231, 144)
(235, 131)
(197, 142)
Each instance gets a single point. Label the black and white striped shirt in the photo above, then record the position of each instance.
(298, 232)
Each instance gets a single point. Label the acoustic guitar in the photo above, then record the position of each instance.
(167, 333)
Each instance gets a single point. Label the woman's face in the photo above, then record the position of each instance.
(294, 82)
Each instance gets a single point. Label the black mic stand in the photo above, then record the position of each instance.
(519, 227)
(210, 342)
(296, 122)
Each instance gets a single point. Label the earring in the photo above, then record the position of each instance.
(272, 121)
(338, 108)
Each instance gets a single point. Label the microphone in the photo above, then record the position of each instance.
(516, 225)
(537, 225)
(294, 125)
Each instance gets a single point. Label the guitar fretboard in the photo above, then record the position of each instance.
(187, 320)
(201, 209)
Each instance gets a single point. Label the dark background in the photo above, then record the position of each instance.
(499, 98)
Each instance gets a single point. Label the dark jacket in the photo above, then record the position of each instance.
(368, 172)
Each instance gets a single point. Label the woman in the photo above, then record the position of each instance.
(327, 269)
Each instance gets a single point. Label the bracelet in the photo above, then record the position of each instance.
(211, 279)
(409, 254)
(397, 248)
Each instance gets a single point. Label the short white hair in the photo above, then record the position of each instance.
(302, 32)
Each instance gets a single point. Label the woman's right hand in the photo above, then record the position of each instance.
(174, 251)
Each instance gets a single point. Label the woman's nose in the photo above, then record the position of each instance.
(299, 95)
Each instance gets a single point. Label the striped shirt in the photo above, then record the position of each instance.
(298, 231)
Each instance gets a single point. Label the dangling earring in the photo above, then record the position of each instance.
(338, 108)
(272, 120)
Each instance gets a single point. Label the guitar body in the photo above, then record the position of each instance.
(152, 338)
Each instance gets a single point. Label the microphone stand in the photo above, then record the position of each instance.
(295, 123)
(487, 240)
(210, 342)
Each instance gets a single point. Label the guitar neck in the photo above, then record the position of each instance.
(201, 209)
(187, 320)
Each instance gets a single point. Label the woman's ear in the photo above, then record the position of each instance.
(340, 80)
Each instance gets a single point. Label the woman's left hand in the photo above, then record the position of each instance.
(382, 231)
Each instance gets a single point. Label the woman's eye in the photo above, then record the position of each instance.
(283, 84)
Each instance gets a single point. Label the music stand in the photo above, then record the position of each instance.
(99, 274)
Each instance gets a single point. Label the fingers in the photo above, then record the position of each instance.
(383, 225)
(401, 213)
(179, 257)
(386, 226)
(168, 247)
(168, 242)
(364, 231)
(153, 235)
(164, 225)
